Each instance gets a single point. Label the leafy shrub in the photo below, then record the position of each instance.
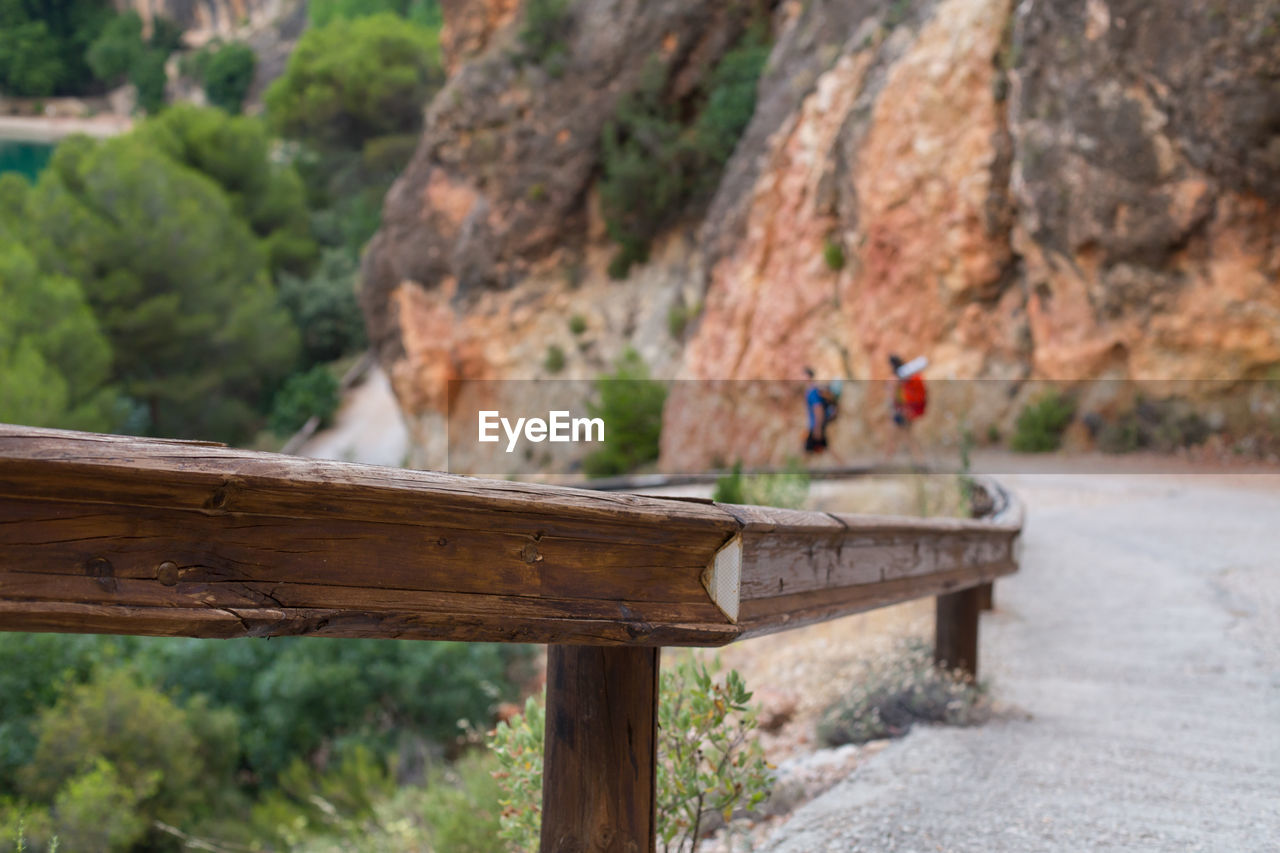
(789, 489)
(577, 324)
(166, 35)
(679, 315)
(304, 396)
(97, 810)
(117, 743)
(455, 811)
(120, 51)
(27, 827)
(1042, 422)
(630, 403)
(518, 745)
(355, 80)
(116, 50)
(460, 805)
(306, 803)
(228, 74)
(708, 760)
(833, 255)
(729, 487)
(1163, 426)
(324, 307)
(707, 757)
(896, 692)
(543, 31)
(236, 153)
(148, 76)
(554, 362)
(646, 166)
(297, 695)
(654, 163)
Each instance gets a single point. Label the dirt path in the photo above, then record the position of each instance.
(1142, 640)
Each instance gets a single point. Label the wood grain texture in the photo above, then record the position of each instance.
(124, 535)
(112, 526)
(804, 567)
(956, 637)
(600, 757)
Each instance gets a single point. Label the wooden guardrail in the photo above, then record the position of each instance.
(108, 534)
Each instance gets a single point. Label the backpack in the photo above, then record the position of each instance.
(915, 399)
(830, 402)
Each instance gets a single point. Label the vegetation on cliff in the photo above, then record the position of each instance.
(656, 159)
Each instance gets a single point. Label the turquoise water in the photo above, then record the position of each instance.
(27, 158)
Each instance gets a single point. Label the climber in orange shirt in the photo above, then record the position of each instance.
(910, 399)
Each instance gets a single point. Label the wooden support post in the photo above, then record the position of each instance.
(987, 596)
(956, 640)
(599, 765)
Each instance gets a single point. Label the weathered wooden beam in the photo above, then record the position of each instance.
(600, 755)
(987, 596)
(956, 637)
(804, 567)
(123, 535)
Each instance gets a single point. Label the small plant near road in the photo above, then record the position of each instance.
(708, 759)
(1157, 425)
(898, 691)
(1041, 424)
(788, 489)
(630, 403)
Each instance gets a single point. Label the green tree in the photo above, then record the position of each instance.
(177, 281)
(324, 307)
(43, 44)
(304, 396)
(351, 81)
(54, 359)
(175, 763)
(97, 810)
(34, 670)
(29, 61)
(228, 74)
(166, 35)
(117, 50)
(235, 152)
(148, 76)
(294, 695)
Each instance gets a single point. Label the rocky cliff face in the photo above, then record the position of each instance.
(1014, 188)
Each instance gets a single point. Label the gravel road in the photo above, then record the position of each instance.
(1140, 650)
